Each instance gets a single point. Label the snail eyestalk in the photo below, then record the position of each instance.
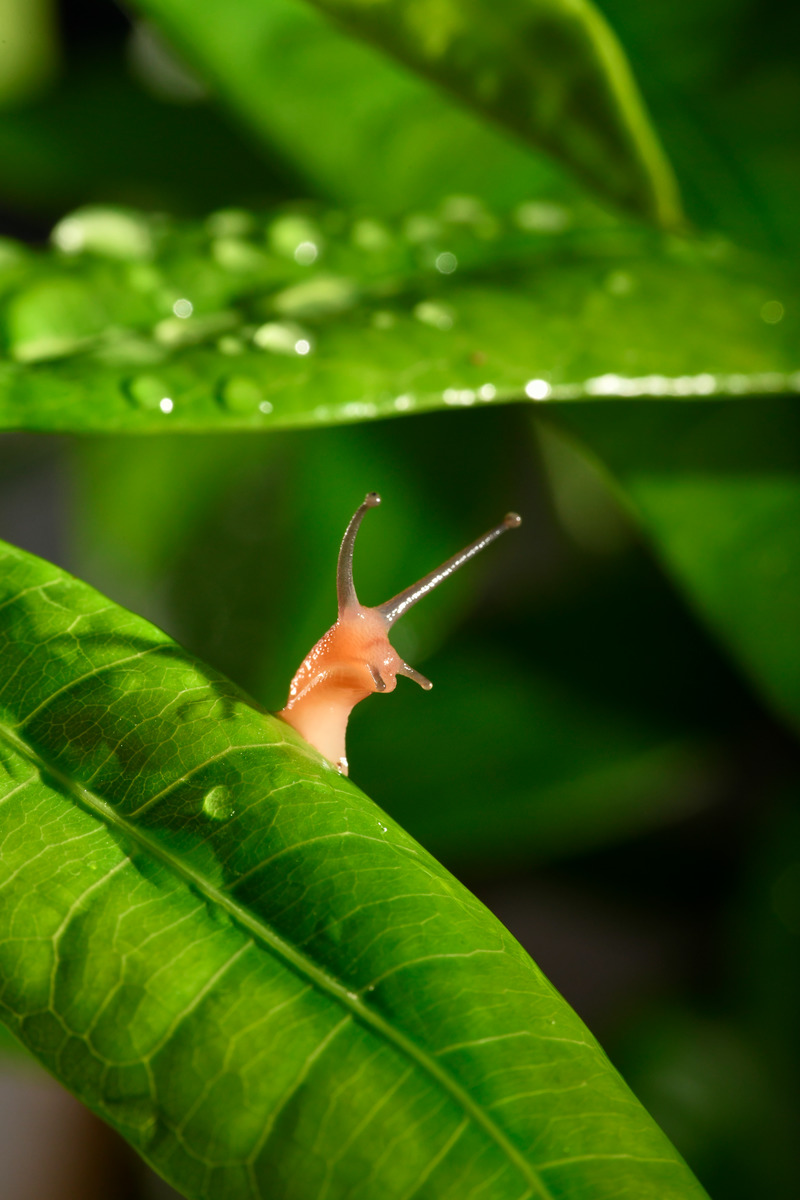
(345, 588)
(403, 601)
(355, 657)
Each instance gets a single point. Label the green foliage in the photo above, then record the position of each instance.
(233, 955)
(314, 318)
(189, 938)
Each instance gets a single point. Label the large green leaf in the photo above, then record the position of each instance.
(358, 127)
(313, 319)
(549, 70)
(230, 953)
(717, 488)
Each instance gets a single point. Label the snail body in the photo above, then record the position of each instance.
(355, 657)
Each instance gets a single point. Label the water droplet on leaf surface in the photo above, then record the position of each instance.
(148, 392)
(282, 337)
(218, 803)
(242, 395)
(317, 298)
(288, 233)
(110, 232)
(439, 316)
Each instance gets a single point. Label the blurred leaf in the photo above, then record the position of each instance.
(361, 129)
(181, 947)
(137, 324)
(723, 87)
(550, 71)
(707, 1081)
(28, 49)
(717, 488)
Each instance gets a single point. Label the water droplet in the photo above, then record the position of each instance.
(110, 232)
(437, 315)
(316, 298)
(370, 235)
(183, 308)
(148, 391)
(287, 234)
(619, 283)
(419, 227)
(166, 405)
(53, 318)
(704, 384)
(217, 803)
(230, 345)
(537, 389)
(282, 337)
(180, 331)
(233, 254)
(230, 223)
(446, 263)
(601, 385)
(122, 348)
(540, 217)
(487, 391)
(459, 397)
(306, 253)
(403, 403)
(302, 346)
(243, 395)
(472, 212)
(772, 312)
(358, 408)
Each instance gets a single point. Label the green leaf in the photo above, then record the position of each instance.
(311, 318)
(245, 966)
(717, 488)
(550, 71)
(359, 128)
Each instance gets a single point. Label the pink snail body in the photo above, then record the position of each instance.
(355, 657)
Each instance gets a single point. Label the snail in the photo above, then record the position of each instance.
(355, 657)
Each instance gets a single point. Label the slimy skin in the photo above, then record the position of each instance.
(355, 657)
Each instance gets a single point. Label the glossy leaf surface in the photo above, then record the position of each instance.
(550, 71)
(138, 324)
(236, 958)
(360, 129)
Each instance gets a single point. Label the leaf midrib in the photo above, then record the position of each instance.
(293, 958)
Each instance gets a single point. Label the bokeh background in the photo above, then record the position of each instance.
(591, 762)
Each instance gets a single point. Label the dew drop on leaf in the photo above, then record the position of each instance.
(439, 316)
(148, 391)
(319, 297)
(109, 232)
(282, 337)
(240, 394)
(217, 803)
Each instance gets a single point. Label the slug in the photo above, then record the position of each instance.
(355, 657)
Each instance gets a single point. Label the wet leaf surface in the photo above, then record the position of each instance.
(309, 317)
(244, 965)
